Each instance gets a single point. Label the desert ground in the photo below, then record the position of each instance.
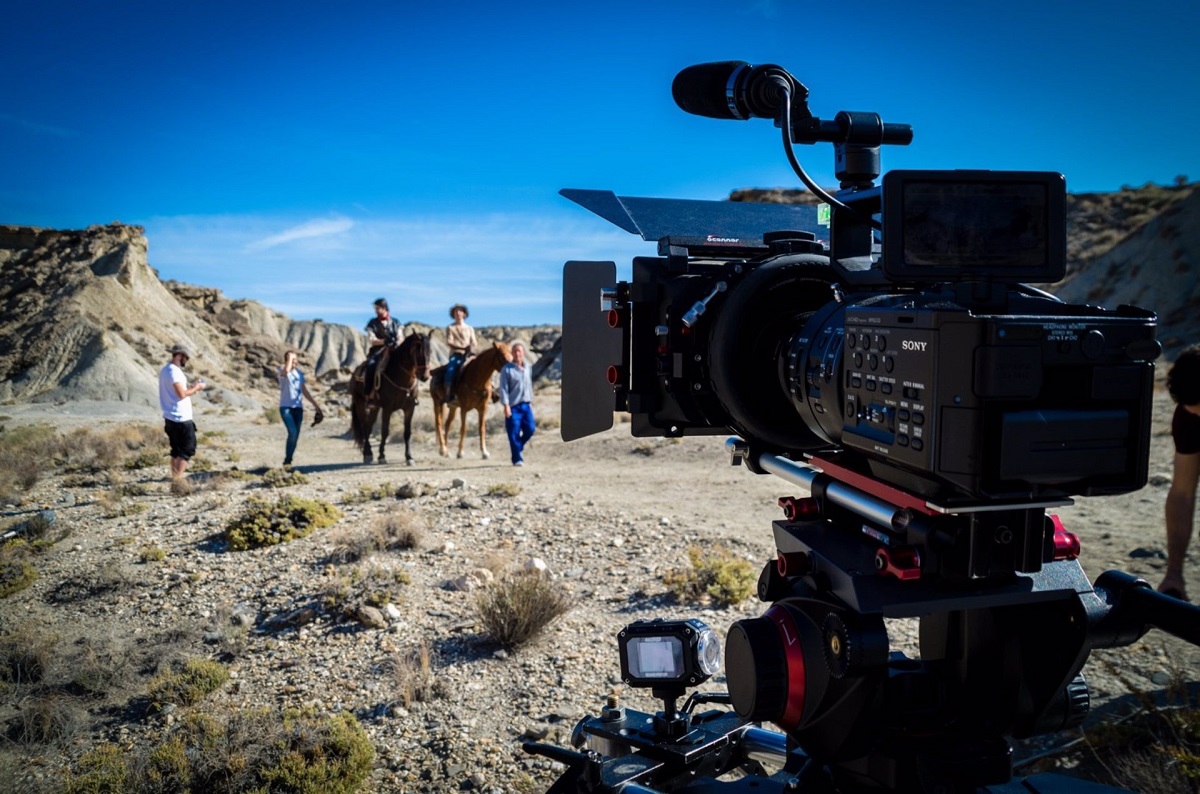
(608, 515)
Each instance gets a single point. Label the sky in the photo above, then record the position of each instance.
(314, 156)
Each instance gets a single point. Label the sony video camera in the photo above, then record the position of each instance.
(882, 352)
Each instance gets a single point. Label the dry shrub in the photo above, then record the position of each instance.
(27, 454)
(113, 504)
(397, 530)
(16, 571)
(106, 580)
(46, 717)
(411, 672)
(517, 608)
(181, 487)
(152, 553)
(96, 666)
(715, 574)
(26, 654)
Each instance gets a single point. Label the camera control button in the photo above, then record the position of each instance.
(858, 360)
(855, 381)
(889, 363)
(873, 361)
(903, 415)
(871, 384)
(918, 418)
(864, 341)
(885, 388)
(902, 440)
(918, 445)
(881, 343)
(852, 340)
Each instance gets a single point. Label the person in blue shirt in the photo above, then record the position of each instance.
(516, 395)
(292, 388)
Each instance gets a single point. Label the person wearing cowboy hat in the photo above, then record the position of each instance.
(460, 338)
(383, 333)
(175, 399)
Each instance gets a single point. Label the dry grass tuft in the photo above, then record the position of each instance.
(412, 675)
(507, 489)
(396, 530)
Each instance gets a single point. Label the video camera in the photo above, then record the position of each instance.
(884, 354)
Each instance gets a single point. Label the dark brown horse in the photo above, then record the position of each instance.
(406, 364)
(473, 393)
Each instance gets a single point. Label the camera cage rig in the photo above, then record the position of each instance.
(1007, 615)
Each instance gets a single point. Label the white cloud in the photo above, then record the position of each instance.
(322, 227)
(506, 267)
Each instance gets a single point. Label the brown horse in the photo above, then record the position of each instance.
(473, 393)
(406, 364)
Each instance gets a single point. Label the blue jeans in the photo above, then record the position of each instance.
(293, 420)
(519, 427)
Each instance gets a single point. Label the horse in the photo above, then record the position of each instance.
(406, 364)
(473, 393)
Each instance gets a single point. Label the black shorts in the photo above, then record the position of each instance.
(183, 438)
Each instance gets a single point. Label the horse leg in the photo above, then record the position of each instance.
(462, 431)
(408, 415)
(383, 434)
(439, 427)
(368, 420)
(483, 450)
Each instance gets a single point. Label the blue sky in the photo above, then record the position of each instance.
(316, 155)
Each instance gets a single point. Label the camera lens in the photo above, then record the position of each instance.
(708, 652)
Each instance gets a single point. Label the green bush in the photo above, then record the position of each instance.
(261, 751)
(267, 524)
(716, 574)
(188, 686)
(16, 572)
(368, 493)
(281, 478)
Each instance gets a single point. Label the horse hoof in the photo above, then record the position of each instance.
(382, 460)
(460, 456)
(486, 455)
(409, 462)
(368, 460)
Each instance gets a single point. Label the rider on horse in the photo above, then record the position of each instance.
(460, 338)
(383, 333)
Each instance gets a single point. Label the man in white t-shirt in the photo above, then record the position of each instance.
(175, 397)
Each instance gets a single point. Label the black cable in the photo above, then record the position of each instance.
(785, 112)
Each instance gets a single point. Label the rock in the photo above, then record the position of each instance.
(1159, 479)
(1145, 552)
(297, 617)
(392, 612)
(536, 565)
(469, 503)
(414, 490)
(473, 580)
(369, 616)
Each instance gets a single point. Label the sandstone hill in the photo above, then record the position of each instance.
(83, 316)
